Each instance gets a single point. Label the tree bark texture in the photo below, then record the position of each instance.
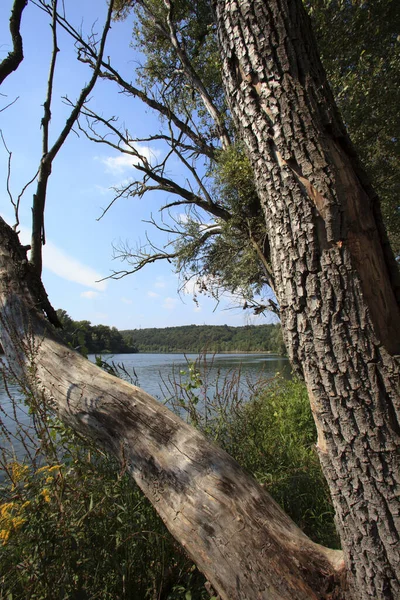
(335, 278)
(237, 535)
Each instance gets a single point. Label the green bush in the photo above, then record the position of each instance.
(74, 525)
(273, 437)
(82, 529)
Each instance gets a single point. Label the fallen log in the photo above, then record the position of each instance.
(237, 535)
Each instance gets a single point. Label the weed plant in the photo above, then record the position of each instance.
(74, 525)
(271, 434)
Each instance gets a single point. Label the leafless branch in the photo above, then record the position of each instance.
(151, 172)
(89, 55)
(47, 103)
(195, 175)
(8, 169)
(189, 197)
(39, 198)
(15, 203)
(16, 56)
(149, 253)
(9, 104)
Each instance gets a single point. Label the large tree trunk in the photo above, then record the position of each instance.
(335, 279)
(236, 534)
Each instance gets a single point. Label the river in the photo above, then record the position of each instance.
(156, 374)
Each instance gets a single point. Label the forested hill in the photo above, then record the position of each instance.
(101, 339)
(210, 338)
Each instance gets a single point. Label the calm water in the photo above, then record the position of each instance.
(156, 374)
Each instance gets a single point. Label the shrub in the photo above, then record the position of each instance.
(272, 435)
(74, 525)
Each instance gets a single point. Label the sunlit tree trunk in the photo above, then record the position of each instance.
(236, 534)
(335, 279)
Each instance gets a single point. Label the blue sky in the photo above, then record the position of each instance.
(78, 252)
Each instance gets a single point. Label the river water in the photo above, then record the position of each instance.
(156, 372)
(162, 375)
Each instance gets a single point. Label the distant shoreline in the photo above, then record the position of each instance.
(198, 352)
(186, 339)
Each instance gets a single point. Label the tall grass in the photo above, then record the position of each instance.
(74, 525)
(271, 434)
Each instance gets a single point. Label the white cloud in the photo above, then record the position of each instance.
(153, 295)
(118, 164)
(89, 294)
(126, 300)
(103, 191)
(60, 263)
(170, 303)
(160, 283)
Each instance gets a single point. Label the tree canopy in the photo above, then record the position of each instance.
(181, 71)
(207, 338)
(92, 339)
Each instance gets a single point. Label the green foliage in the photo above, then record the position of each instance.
(274, 438)
(162, 69)
(227, 260)
(92, 339)
(272, 435)
(74, 525)
(360, 50)
(209, 338)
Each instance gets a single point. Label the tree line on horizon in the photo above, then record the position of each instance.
(102, 339)
(207, 338)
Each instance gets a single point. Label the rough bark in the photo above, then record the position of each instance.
(237, 535)
(335, 279)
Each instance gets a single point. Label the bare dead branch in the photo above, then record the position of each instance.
(16, 56)
(89, 55)
(9, 104)
(15, 203)
(189, 197)
(8, 169)
(47, 103)
(39, 197)
(149, 253)
(194, 172)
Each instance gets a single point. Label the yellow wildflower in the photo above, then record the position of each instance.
(48, 468)
(46, 494)
(42, 469)
(4, 535)
(55, 468)
(17, 523)
(5, 509)
(19, 472)
(25, 504)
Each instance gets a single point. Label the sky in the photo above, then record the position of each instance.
(78, 254)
